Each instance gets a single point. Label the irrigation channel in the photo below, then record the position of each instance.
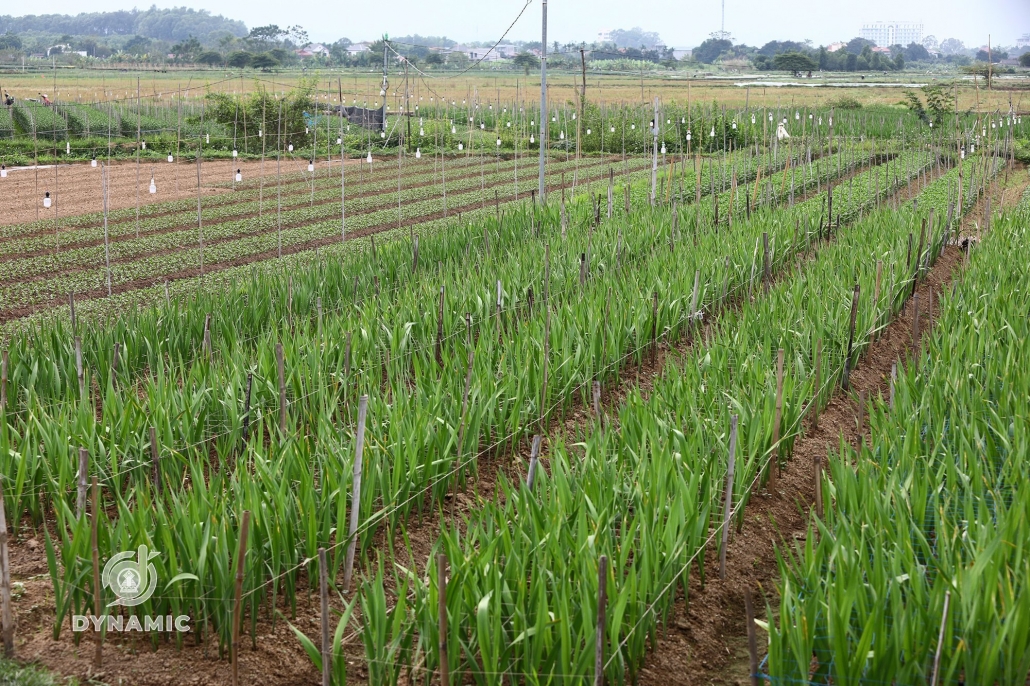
(423, 431)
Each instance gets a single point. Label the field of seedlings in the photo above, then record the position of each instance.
(375, 411)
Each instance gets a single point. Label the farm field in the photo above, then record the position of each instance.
(406, 421)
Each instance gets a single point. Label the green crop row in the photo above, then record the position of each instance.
(927, 527)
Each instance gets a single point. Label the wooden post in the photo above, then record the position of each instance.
(168, 299)
(894, 377)
(359, 449)
(346, 355)
(114, 363)
(207, 335)
(547, 333)
(861, 416)
(915, 319)
(318, 308)
(873, 334)
(280, 365)
(940, 640)
(71, 309)
(237, 610)
(246, 408)
(654, 327)
(98, 655)
(6, 613)
(626, 187)
(778, 415)
(441, 592)
(728, 497)
(78, 367)
(816, 392)
(323, 588)
(611, 190)
(461, 429)
(439, 329)
(752, 639)
(597, 399)
(693, 298)
(582, 269)
(600, 635)
(818, 469)
(155, 462)
(766, 269)
(851, 339)
(80, 501)
(414, 255)
(534, 457)
(3, 380)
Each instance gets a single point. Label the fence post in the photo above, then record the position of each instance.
(766, 268)
(237, 610)
(6, 613)
(778, 415)
(940, 639)
(851, 338)
(873, 333)
(98, 656)
(359, 449)
(534, 460)
(78, 367)
(439, 329)
(80, 502)
(752, 639)
(816, 392)
(728, 497)
(323, 583)
(602, 602)
(155, 461)
(3, 380)
(441, 592)
(71, 308)
(281, 370)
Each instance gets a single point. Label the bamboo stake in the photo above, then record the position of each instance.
(237, 610)
(323, 583)
(602, 602)
(779, 413)
(155, 462)
(534, 458)
(728, 497)
(441, 592)
(940, 639)
(3, 380)
(98, 655)
(80, 501)
(752, 639)
(359, 448)
(851, 339)
(6, 613)
(281, 370)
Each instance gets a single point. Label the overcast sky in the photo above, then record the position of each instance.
(680, 23)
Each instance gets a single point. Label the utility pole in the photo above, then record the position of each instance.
(542, 190)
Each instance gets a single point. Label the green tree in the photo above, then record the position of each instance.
(434, 59)
(187, 50)
(1024, 59)
(264, 61)
(210, 58)
(10, 41)
(239, 59)
(526, 61)
(795, 62)
(137, 45)
(709, 51)
(899, 61)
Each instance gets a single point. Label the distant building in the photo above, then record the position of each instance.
(1023, 42)
(313, 50)
(834, 47)
(506, 50)
(604, 36)
(681, 53)
(885, 51)
(888, 33)
(481, 54)
(358, 48)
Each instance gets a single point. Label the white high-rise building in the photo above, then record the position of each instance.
(888, 33)
(1023, 42)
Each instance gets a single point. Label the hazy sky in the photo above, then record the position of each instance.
(681, 24)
